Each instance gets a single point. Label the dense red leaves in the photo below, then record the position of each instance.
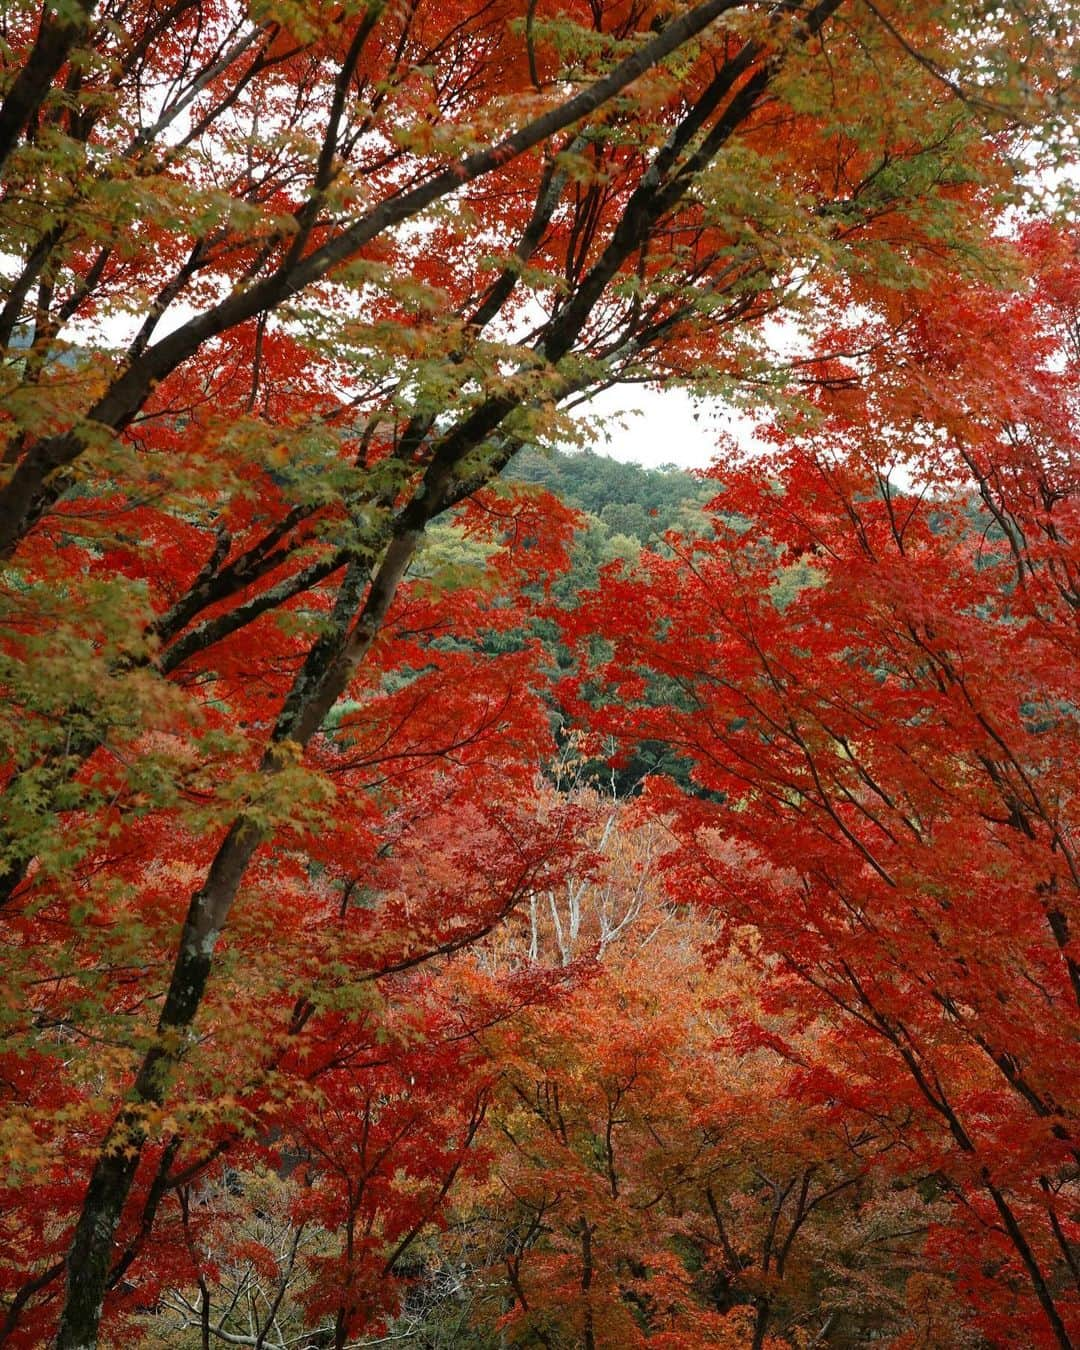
(660, 1177)
(206, 498)
(413, 829)
(875, 688)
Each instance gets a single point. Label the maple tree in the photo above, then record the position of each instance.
(876, 688)
(658, 1185)
(652, 1181)
(638, 1178)
(282, 286)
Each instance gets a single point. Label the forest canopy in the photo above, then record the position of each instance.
(458, 893)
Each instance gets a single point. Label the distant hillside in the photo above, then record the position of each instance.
(626, 499)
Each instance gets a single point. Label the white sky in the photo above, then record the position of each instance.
(651, 427)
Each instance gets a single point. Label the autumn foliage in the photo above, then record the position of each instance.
(353, 988)
(876, 689)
